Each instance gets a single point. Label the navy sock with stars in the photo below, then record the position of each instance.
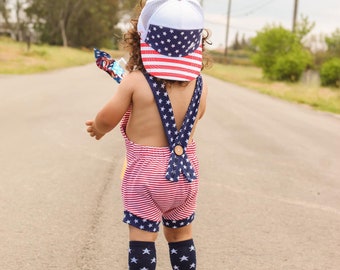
(142, 255)
(183, 255)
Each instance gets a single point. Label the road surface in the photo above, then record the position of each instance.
(269, 194)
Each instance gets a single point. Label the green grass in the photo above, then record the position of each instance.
(321, 98)
(15, 59)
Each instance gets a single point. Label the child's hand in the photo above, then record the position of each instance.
(92, 130)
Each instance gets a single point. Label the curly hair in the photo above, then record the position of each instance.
(131, 42)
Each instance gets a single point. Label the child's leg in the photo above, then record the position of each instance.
(181, 247)
(142, 250)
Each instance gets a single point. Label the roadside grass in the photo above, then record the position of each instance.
(311, 94)
(16, 59)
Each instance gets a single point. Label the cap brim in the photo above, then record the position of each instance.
(186, 68)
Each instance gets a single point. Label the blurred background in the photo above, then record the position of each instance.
(286, 41)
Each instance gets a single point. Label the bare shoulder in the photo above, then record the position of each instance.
(132, 82)
(134, 77)
(139, 87)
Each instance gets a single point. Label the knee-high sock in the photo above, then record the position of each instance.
(183, 255)
(142, 255)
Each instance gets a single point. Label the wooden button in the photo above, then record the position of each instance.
(179, 150)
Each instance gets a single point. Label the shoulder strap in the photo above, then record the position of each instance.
(178, 140)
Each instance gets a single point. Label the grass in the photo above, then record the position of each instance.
(320, 98)
(16, 59)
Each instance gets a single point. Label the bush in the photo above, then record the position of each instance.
(333, 42)
(280, 54)
(330, 73)
(271, 43)
(290, 66)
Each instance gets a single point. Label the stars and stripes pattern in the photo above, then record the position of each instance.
(148, 197)
(178, 164)
(172, 54)
(147, 194)
(105, 62)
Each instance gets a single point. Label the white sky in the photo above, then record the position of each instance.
(248, 16)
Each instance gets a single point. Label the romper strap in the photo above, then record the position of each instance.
(178, 140)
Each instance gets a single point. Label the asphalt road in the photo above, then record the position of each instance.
(270, 180)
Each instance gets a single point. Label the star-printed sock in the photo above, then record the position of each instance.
(142, 255)
(183, 255)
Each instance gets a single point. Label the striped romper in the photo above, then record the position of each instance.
(161, 183)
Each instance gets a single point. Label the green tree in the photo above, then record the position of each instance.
(96, 24)
(245, 43)
(330, 73)
(303, 27)
(291, 66)
(236, 45)
(129, 5)
(4, 12)
(270, 43)
(333, 43)
(75, 22)
(280, 53)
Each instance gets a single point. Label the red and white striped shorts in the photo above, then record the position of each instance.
(148, 195)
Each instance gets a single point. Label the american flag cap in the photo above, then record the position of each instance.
(171, 38)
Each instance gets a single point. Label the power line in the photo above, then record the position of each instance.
(254, 9)
(296, 3)
(253, 5)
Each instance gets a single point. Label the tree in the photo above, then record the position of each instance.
(333, 43)
(245, 43)
(270, 43)
(129, 5)
(280, 53)
(75, 22)
(330, 73)
(21, 24)
(236, 45)
(303, 27)
(4, 12)
(52, 19)
(96, 24)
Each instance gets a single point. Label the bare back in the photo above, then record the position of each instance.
(145, 125)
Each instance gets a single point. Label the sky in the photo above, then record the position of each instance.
(249, 16)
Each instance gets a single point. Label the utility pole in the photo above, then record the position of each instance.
(296, 5)
(227, 32)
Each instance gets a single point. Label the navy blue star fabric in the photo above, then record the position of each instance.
(179, 161)
(143, 224)
(183, 255)
(172, 42)
(153, 226)
(142, 255)
(175, 224)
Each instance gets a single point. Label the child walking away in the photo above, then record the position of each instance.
(158, 104)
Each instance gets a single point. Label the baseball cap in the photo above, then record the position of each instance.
(171, 38)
